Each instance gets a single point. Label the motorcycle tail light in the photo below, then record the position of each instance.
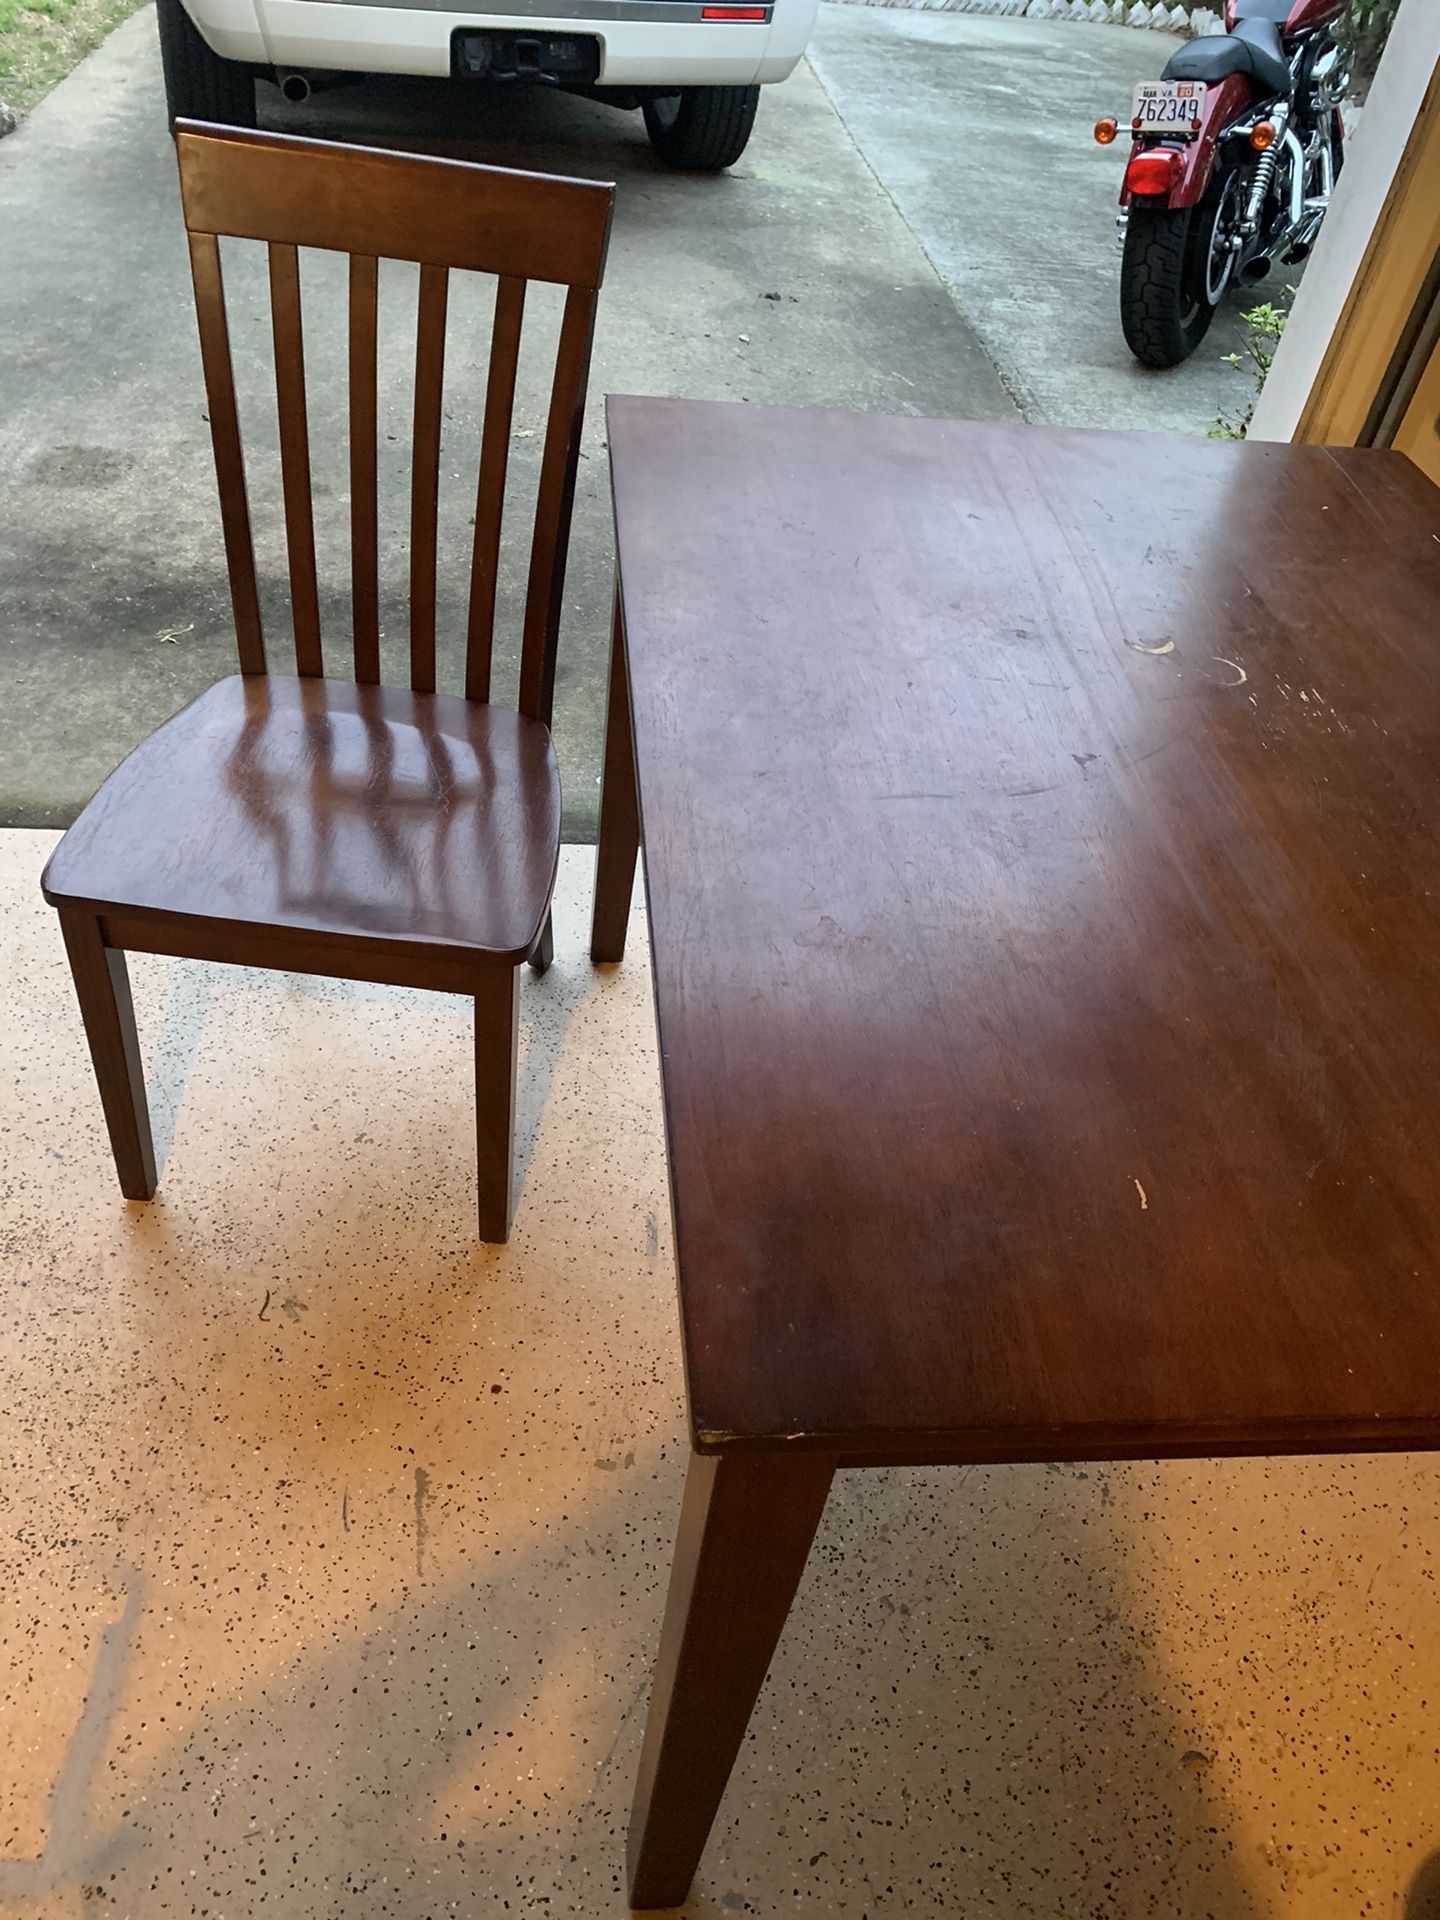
(1106, 130)
(1262, 135)
(1155, 171)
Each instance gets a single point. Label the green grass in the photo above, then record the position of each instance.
(41, 40)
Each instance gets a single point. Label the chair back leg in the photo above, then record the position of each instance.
(497, 1031)
(543, 951)
(102, 986)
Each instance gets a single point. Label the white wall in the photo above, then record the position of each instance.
(1406, 69)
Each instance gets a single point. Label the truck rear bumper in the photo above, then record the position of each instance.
(643, 43)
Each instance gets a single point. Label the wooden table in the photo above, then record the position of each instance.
(1042, 840)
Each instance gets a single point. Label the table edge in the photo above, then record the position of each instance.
(1034, 1446)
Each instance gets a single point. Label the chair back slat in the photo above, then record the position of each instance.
(295, 457)
(445, 215)
(490, 493)
(364, 491)
(425, 472)
(229, 456)
(544, 594)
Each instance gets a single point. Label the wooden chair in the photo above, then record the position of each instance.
(327, 825)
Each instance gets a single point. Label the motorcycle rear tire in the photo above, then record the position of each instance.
(1165, 311)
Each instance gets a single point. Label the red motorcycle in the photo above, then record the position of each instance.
(1236, 151)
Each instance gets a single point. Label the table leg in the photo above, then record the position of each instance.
(745, 1530)
(619, 811)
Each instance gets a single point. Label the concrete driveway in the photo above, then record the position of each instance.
(981, 131)
(907, 281)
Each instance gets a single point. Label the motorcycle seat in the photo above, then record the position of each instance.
(1254, 49)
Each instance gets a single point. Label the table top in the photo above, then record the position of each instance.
(1040, 838)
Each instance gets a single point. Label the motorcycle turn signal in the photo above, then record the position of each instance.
(1106, 130)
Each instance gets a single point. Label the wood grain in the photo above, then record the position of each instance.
(102, 987)
(497, 1041)
(545, 591)
(313, 193)
(619, 838)
(402, 823)
(490, 490)
(745, 1531)
(295, 457)
(425, 472)
(450, 215)
(351, 830)
(1039, 836)
(364, 490)
(229, 457)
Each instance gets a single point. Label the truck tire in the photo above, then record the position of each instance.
(702, 128)
(1165, 310)
(199, 84)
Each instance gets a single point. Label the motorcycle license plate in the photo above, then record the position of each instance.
(1168, 106)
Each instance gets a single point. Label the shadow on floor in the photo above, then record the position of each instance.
(531, 127)
(1423, 1900)
(396, 1516)
(472, 1749)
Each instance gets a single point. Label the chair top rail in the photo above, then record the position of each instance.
(310, 193)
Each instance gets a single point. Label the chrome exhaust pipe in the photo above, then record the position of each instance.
(1297, 176)
(1306, 212)
(295, 86)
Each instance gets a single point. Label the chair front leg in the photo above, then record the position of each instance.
(497, 1032)
(102, 986)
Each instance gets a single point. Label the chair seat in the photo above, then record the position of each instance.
(366, 814)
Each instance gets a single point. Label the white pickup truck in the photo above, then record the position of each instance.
(693, 67)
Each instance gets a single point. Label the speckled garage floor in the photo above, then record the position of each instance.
(333, 1544)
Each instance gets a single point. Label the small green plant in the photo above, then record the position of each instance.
(1263, 327)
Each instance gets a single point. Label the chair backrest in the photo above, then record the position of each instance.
(444, 215)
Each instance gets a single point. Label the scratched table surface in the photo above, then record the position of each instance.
(1041, 845)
